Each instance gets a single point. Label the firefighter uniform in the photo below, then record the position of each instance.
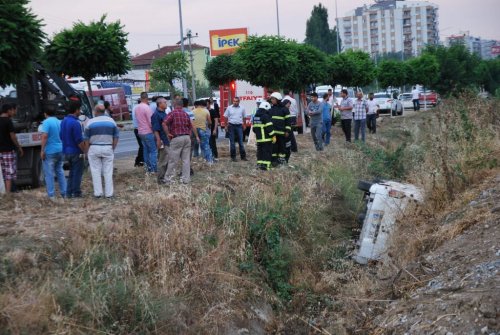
(281, 124)
(263, 129)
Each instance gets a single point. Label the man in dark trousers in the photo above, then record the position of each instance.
(264, 134)
(282, 128)
(213, 108)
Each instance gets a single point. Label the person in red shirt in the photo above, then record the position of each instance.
(178, 127)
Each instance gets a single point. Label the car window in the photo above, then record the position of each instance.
(381, 95)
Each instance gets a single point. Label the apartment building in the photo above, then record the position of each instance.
(486, 49)
(390, 26)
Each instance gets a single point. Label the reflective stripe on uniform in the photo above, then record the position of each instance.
(278, 117)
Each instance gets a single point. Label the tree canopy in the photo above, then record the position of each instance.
(312, 67)
(98, 48)
(221, 70)
(351, 68)
(392, 73)
(168, 68)
(425, 70)
(21, 39)
(318, 32)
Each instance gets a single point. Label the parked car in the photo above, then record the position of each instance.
(431, 98)
(385, 202)
(384, 101)
(406, 100)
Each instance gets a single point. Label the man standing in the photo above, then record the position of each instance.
(201, 121)
(178, 127)
(326, 112)
(139, 159)
(235, 116)
(8, 146)
(101, 134)
(360, 109)
(415, 95)
(345, 109)
(73, 148)
(281, 125)
(371, 116)
(330, 98)
(143, 114)
(52, 155)
(264, 135)
(161, 138)
(316, 120)
(214, 128)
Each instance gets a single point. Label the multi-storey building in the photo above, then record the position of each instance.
(486, 49)
(390, 26)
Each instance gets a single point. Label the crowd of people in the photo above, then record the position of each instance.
(168, 135)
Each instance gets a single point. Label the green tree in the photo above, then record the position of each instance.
(313, 67)
(318, 32)
(220, 70)
(458, 68)
(168, 68)
(351, 68)
(391, 73)
(492, 83)
(98, 48)
(266, 61)
(424, 70)
(21, 39)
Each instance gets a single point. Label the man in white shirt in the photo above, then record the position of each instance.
(235, 125)
(415, 94)
(371, 115)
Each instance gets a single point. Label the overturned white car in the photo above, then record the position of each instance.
(385, 201)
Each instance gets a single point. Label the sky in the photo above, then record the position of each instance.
(153, 23)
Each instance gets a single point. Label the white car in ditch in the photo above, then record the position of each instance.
(386, 202)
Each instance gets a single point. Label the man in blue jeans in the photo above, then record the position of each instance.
(235, 116)
(73, 148)
(143, 116)
(326, 110)
(360, 108)
(52, 156)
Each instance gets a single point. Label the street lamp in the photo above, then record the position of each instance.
(278, 18)
(337, 23)
(184, 84)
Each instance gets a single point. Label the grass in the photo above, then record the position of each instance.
(203, 259)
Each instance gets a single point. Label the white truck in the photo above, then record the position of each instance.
(386, 202)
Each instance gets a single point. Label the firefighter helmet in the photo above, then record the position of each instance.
(276, 95)
(265, 105)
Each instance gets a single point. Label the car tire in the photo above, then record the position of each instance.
(364, 185)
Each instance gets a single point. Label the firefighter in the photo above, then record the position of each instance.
(264, 134)
(282, 128)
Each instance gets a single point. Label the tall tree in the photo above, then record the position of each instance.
(21, 38)
(168, 68)
(98, 48)
(351, 68)
(391, 73)
(424, 70)
(318, 32)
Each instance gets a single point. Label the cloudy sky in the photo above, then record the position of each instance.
(156, 22)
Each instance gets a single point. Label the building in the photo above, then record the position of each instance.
(486, 49)
(141, 64)
(390, 26)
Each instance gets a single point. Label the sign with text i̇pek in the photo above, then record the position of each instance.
(226, 41)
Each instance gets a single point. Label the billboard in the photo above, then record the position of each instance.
(226, 41)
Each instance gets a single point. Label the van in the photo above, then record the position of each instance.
(116, 97)
(385, 202)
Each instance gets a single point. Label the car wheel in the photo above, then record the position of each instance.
(364, 185)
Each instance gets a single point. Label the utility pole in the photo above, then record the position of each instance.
(337, 24)
(191, 60)
(278, 17)
(184, 84)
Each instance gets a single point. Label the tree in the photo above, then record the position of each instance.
(318, 32)
(266, 61)
(168, 68)
(98, 48)
(424, 70)
(313, 67)
(351, 68)
(21, 39)
(493, 84)
(391, 73)
(220, 70)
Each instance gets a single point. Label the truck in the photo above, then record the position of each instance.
(40, 91)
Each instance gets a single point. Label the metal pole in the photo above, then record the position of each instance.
(337, 24)
(277, 17)
(193, 82)
(184, 84)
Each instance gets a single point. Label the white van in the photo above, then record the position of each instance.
(386, 201)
